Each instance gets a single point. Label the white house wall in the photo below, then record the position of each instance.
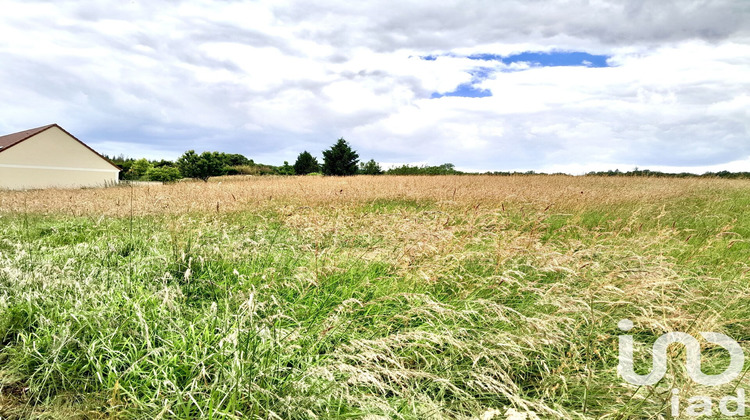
(53, 159)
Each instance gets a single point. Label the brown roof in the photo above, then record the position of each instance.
(10, 140)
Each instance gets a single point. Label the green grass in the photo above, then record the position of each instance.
(315, 313)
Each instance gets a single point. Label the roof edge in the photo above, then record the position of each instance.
(35, 131)
(31, 133)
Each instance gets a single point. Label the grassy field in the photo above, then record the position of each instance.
(451, 297)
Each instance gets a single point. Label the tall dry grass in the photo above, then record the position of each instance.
(367, 297)
(243, 193)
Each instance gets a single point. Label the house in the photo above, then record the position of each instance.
(49, 157)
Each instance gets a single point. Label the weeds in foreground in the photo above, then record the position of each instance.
(394, 297)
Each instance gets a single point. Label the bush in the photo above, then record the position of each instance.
(234, 159)
(370, 168)
(203, 166)
(163, 174)
(138, 169)
(444, 169)
(243, 170)
(286, 169)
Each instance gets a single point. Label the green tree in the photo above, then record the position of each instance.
(139, 168)
(163, 174)
(340, 159)
(306, 164)
(203, 166)
(444, 169)
(370, 168)
(235, 159)
(124, 163)
(163, 163)
(285, 169)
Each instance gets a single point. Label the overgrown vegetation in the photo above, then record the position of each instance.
(192, 165)
(202, 166)
(342, 160)
(370, 168)
(444, 169)
(387, 297)
(658, 174)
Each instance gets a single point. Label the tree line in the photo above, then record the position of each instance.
(658, 174)
(339, 160)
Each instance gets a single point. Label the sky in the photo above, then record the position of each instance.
(555, 86)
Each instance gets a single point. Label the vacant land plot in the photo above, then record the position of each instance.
(366, 297)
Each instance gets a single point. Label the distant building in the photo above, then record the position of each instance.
(49, 157)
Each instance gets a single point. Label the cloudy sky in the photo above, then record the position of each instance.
(573, 85)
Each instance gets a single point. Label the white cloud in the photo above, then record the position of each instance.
(270, 79)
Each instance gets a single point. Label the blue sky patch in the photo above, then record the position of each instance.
(467, 90)
(535, 59)
(551, 59)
